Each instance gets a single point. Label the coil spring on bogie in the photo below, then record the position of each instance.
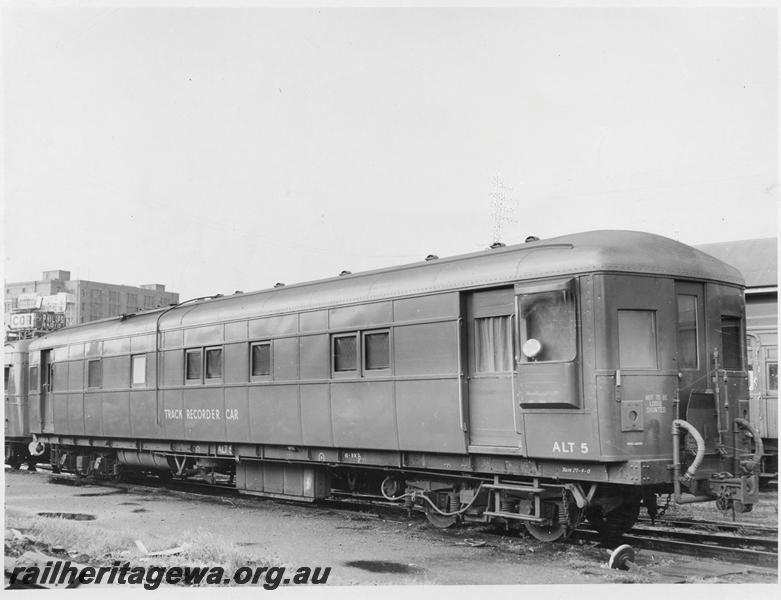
(408, 502)
(506, 503)
(455, 502)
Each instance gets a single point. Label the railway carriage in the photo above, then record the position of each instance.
(532, 384)
(17, 423)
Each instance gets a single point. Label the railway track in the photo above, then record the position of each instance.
(737, 543)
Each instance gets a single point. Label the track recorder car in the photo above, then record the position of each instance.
(532, 384)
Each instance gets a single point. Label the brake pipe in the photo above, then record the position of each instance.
(420, 494)
(681, 498)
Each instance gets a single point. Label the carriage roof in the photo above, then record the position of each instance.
(594, 251)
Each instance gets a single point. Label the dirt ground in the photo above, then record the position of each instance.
(361, 548)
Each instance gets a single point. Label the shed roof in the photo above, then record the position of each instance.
(756, 259)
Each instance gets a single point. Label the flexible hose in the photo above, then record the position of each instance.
(681, 424)
(421, 494)
(759, 448)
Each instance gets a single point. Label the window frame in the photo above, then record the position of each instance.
(193, 380)
(34, 382)
(263, 377)
(655, 324)
(696, 298)
(204, 373)
(515, 334)
(741, 339)
(375, 372)
(133, 383)
(99, 362)
(351, 373)
(521, 290)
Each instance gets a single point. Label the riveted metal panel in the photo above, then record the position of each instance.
(204, 414)
(173, 339)
(285, 360)
(93, 417)
(173, 367)
(75, 416)
(375, 313)
(435, 306)
(275, 416)
(142, 343)
(200, 336)
(561, 435)
(364, 415)
(236, 362)
(75, 374)
(236, 332)
(237, 414)
(115, 413)
(271, 326)
(315, 355)
(116, 346)
(58, 408)
(316, 415)
(116, 372)
(143, 415)
(426, 349)
(172, 414)
(316, 320)
(428, 416)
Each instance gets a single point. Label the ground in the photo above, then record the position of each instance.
(361, 548)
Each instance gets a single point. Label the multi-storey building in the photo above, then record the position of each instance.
(82, 300)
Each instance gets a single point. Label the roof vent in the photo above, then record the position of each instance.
(343, 273)
(532, 238)
(496, 245)
(238, 292)
(279, 284)
(432, 257)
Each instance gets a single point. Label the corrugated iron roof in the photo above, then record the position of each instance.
(756, 259)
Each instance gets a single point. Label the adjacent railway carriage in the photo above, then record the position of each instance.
(17, 424)
(530, 384)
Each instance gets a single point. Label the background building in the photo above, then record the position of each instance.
(82, 300)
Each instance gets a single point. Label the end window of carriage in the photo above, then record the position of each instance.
(260, 361)
(547, 322)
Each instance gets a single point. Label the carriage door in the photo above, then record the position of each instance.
(47, 377)
(492, 416)
(697, 400)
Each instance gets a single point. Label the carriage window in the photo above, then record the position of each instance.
(7, 376)
(94, 374)
(731, 345)
(547, 324)
(772, 377)
(193, 365)
(493, 344)
(345, 353)
(261, 360)
(687, 332)
(34, 378)
(138, 368)
(213, 363)
(376, 348)
(637, 339)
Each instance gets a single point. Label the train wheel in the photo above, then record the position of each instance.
(440, 521)
(615, 523)
(548, 533)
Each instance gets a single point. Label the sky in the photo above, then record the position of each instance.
(222, 149)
